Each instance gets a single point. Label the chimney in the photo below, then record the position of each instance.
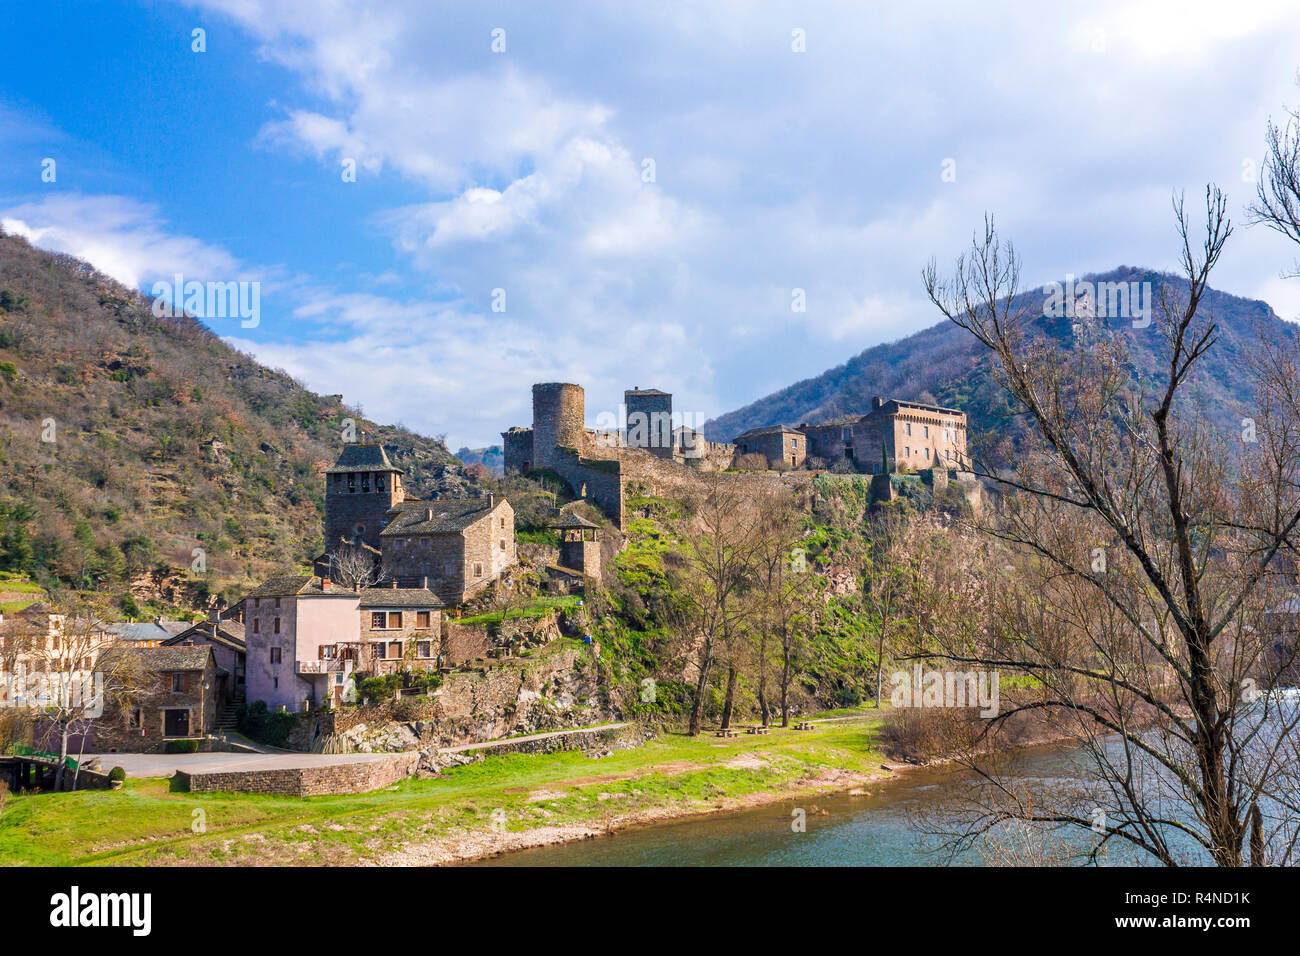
(877, 403)
(324, 584)
(428, 514)
(214, 616)
(492, 501)
(394, 584)
(424, 582)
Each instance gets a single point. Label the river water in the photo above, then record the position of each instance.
(875, 829)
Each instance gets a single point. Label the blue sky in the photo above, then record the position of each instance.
(525, 170)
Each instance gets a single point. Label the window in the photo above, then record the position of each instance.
(378, 619)
(136, 721)
(379, 651)
(907, 451)
(276, 629)
(424, 649)
(178, 683)
(275, 683)
(395, 649)
(328, 652)
(926, 431)
(503, 544)
(277, 604)
(503, 522)
(421, 618)
(908, 426)
(478, 570)
(395, 619)
(275, 655)
(257, 602)
(927, 453)
(257, 626)
(379, 483)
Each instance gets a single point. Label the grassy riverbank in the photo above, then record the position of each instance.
(503, 803)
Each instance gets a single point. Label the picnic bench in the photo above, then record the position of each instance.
(755, 730)
(728, 732)
(804, 725)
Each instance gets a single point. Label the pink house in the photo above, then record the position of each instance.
(303, 637)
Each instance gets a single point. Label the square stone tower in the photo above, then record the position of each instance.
(360, 489)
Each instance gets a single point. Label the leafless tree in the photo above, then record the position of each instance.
(716, 538)
(1143, 557)
(783, 589)
(355, 567)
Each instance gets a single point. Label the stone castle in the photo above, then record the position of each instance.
(648, 448)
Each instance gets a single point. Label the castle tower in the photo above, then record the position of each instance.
(360, 489)
(649, 420)
(558, 421)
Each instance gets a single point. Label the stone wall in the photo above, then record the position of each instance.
(358, 777)
(465, 642)
(517, 445)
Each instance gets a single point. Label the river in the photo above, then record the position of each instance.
(875, 829)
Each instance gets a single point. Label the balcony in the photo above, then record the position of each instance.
(324, 667)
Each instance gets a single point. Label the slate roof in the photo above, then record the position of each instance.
(767, 430)
(644, 391)
(362, 458)
(443, 516)
(202, 631)
(139, 631)
(184, 658)
(399, 597)
(574, 521)
(290, 584)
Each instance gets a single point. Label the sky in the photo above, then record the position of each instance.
(442, 203)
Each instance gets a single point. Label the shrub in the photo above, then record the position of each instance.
(257, 722)
(117, 774)
(182, 746)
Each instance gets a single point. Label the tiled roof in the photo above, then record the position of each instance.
(399, 597)
(362, 458)
(443, 516)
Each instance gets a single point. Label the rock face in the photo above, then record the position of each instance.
(522, 696)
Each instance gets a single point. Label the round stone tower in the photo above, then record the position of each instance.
(558, 420)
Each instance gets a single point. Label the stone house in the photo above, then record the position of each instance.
(776, 443)
(454, 547)
(178, 701)
(298, 631)
(226, 638)
(401, 628)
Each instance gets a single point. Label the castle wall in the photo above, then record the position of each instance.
(517, 444)
(650, 422)
(601, 480)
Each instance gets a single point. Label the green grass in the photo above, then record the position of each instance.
(146, 823)
(536, 607)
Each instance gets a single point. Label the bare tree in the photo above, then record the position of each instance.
(716, 547)
(1144, 552)
(355, 567)
(783, 586)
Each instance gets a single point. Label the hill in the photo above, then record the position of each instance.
(945, 365)
(129, 441)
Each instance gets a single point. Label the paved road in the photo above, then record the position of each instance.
(164, 765)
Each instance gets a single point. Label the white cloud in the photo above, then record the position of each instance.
(122, 238)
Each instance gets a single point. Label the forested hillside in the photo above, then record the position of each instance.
(128, 441)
